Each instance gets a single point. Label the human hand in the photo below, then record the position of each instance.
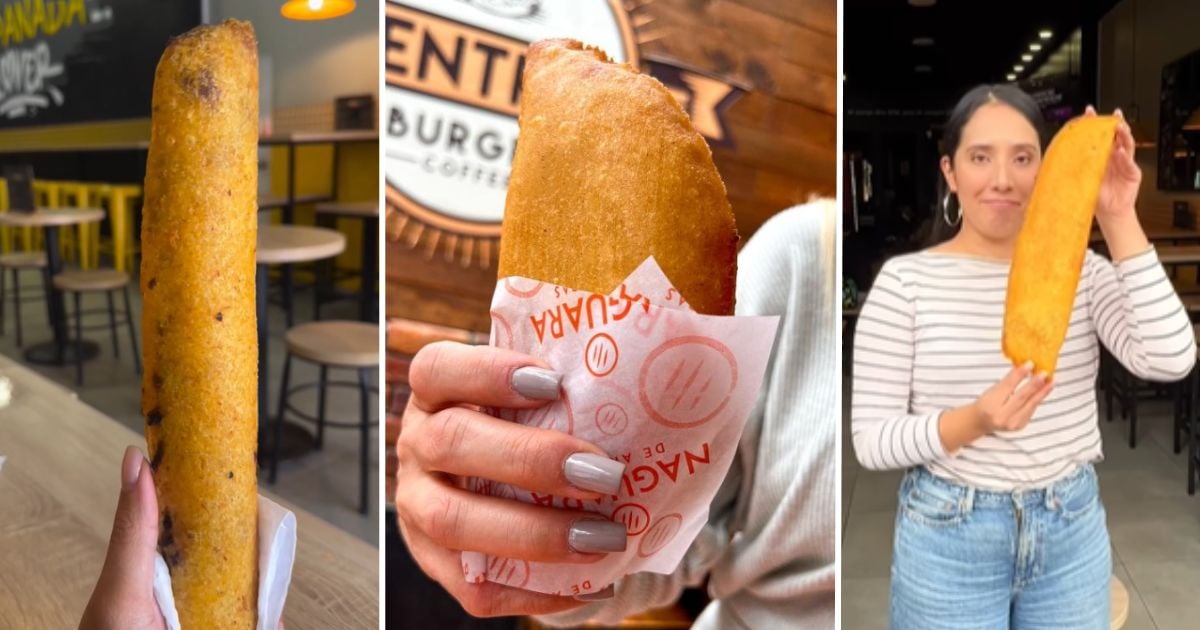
(1122, 177)
(1009, 404)
(124, 595)
(444, 438)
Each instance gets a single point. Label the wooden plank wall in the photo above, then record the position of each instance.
(783, 130)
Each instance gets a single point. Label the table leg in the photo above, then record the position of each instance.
(370, 257)
(59, 350)
(290, 208)
(260, 298)
(54, 297)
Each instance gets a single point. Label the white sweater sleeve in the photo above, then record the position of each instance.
(1139, 317)
(886, 435)
(768, 549)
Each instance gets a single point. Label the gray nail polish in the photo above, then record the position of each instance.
(596, 536)
(536, 383)
(602, 594)
(588, 471)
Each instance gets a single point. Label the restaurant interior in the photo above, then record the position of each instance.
(73, 150)
(761, 88)
(906, 63)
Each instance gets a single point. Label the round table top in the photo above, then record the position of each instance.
(45, 217)
(1119, 598)
(349, 208)
(280, 244)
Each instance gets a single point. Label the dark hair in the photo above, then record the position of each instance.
(970, 102)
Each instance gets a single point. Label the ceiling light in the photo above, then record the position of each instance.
(1027, 57)
(922, 41)
(1018, 68)
(1035, 47)
(1045, 33)
(315, 9)
(923, 68)
(1011, 77)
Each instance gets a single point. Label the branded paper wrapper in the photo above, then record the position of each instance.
(657, 386)
(276, 555)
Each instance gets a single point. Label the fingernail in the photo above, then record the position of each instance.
(1027, 366)
(596, 536)
(536, 383)
(588, 471)
(131, 467)
(602, 594)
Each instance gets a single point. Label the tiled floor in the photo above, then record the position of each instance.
(1154, 526)
(324, 483)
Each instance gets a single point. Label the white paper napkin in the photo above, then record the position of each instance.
(659, 387)
(276, 555)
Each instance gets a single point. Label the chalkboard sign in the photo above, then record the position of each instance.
(20, 187)
(71, 61)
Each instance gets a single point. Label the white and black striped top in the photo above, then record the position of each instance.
(928, 340)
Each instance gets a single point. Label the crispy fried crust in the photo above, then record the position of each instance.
(608, 171)
(1053, 240)
(199, 391)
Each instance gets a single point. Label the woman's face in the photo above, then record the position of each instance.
(993, 171)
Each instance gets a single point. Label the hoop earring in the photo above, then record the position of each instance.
(946, 211)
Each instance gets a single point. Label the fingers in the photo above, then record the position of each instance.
(1089, 111)
(487, 599)
(446, 373)
(468, 443)
(1024, 393)
(134, 540)
(124, 591)
(1014, 377)
(456, 519)
(1037, 396)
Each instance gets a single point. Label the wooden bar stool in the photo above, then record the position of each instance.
(331, 344)
(1119, 608)
(16, 262)
(104, 281)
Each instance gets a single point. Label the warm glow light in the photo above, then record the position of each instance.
(1027, 57)
(315, 9)
(1018, 68)
(1046, 33)
(1035, 47)
(1012, 77)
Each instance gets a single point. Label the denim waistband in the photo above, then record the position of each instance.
(1083, 479)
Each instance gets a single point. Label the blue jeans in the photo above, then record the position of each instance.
(968, 558)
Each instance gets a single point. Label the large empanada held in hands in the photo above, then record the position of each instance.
(1053, 241)
(609, 171)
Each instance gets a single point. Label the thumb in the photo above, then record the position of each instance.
(129, 565)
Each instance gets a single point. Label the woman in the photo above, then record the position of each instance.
(767, 551)
(1000, 523)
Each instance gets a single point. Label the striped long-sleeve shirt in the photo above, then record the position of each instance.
(928, 340)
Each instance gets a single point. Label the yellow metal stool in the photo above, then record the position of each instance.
(79, 245)
(6, 233)
(121, 200)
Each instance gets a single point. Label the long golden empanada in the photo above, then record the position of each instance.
(609, 171)
(1053, 240)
